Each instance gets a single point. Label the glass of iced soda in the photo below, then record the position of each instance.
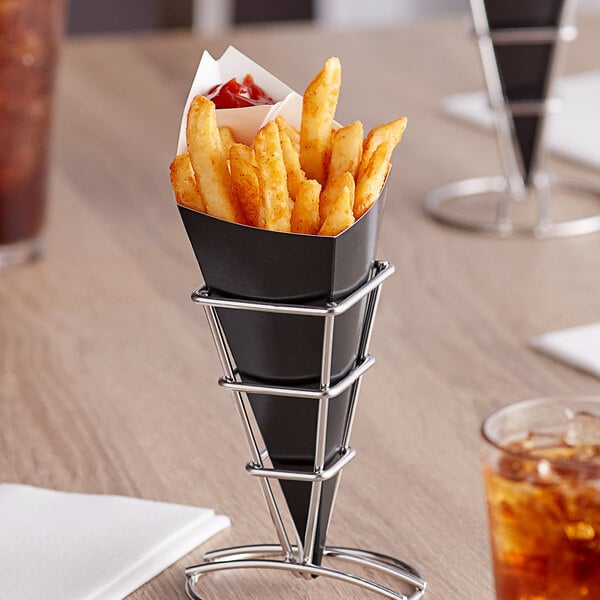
(30, 33)
(541, 464)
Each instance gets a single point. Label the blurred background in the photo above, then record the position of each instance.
(206, 16)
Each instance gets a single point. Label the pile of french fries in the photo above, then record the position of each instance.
(318, 180)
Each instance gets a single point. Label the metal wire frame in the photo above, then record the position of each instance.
(511, 187)
(256, 557)
(297, 557)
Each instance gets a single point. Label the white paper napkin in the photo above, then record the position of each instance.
(576, 346)
(65, 546)
(572, 133)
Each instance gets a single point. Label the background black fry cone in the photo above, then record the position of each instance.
(249, 263)
(524, 68)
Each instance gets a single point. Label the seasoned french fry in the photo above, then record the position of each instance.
(346, 151)
(295, 175)
(292, 132)
(227, 140)
(318, 110)
(244, 183)
(390, 132)
(332, 191)
(272, 178)
(209, 162)
(305, 214)
(187, 192)
(370, 183)
(341, 216)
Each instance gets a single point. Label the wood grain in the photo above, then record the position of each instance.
(107, 372)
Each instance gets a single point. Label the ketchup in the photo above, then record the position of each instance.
(233, 94)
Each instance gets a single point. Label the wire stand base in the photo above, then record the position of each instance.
(299, 558)
(266, 557)
(496, 190)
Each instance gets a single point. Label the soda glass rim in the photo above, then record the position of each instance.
(592, 402)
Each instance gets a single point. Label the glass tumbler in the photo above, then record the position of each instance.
(30, 34)
(541, 465)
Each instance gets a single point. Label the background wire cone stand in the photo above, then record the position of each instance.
(297, 556)
(521, 48)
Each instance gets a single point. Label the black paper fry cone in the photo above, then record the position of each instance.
(524, 68)
(285, 423)
(244, 262)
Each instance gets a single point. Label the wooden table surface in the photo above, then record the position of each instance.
(107, 371)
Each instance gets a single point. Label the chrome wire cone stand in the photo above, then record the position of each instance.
(524, 180)
(296, 557)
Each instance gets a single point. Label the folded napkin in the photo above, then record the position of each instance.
(572, 133)
(576, 346)
(91, 547)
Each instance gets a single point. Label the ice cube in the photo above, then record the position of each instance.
(583, 429)
(540, 440)
(580, 531)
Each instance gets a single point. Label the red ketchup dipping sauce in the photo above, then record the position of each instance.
(233, 94)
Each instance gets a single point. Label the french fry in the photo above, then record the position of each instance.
(292, 132)
(272, 178)
(391, 132)
(332, 191)
(305, 214)
(209, 162)
(346, 151)
(341, 216)
(187, 192)
(370, 183)
(227, 140)
(291, 159)
(244, 183)
(318, 109)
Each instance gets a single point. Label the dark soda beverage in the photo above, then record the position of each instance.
(30, 32)
(543, 498)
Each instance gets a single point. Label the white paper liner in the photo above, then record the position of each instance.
(244, 122)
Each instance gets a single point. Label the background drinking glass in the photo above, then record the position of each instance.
(30, 32)
(541, 463)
